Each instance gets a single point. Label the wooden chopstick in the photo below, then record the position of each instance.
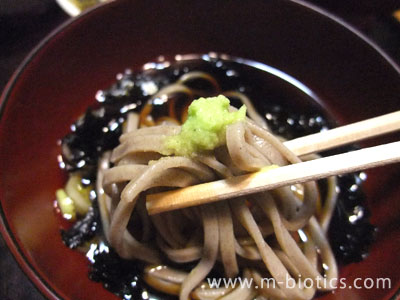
(343, 135)
(339, 136)
(273, 178)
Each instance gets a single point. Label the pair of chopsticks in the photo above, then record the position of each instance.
(268, 179)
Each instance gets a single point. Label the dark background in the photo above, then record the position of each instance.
(23, 23)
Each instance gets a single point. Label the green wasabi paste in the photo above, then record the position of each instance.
(205, 126)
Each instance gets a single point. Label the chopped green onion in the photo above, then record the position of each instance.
(79, 194)
(66, 205)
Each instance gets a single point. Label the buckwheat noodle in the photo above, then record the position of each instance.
(279, 234)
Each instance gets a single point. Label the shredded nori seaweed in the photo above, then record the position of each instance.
(99, 129)
(84, 229)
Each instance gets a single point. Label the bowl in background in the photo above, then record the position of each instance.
(60, 77)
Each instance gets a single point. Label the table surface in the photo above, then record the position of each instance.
(23, 23)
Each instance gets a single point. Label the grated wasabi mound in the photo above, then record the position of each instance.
(205, 126)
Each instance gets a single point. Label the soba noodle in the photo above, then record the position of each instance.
(279, 234)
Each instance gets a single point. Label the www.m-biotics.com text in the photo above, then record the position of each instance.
(291, 283)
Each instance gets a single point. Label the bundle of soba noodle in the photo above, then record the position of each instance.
(273, 235)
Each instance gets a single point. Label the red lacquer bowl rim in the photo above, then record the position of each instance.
(11, 241)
